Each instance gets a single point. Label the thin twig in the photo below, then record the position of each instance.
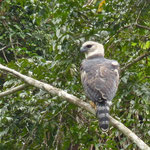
(134, 61)
(88, 3)
(11, 42)
(58, 112)
(141, 26)
(125, 27)
(5, 56)
(140, 13)
(3, 48)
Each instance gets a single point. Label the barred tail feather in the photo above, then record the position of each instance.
(103, 115)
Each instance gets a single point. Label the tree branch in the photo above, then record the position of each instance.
(3, 48)
(125, 27)
(132, 136)
(73, 99)
(13, 90)
(89, 2)
(5, 56)
(141, 26)
(140, 13)
(135, 60)
(134, 24)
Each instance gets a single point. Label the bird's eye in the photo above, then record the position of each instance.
(89, 46)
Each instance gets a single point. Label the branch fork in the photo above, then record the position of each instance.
(73, 99)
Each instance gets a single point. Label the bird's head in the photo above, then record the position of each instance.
(92, 48)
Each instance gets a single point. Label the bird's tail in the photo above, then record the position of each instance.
(103, 115)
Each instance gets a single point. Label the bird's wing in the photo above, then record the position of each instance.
(101, 81)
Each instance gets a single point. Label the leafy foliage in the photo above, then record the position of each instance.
(42, 39)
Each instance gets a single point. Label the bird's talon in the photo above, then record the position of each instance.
(93, 105)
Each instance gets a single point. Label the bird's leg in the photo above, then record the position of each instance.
(93, 105)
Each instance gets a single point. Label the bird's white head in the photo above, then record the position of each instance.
(92, 48)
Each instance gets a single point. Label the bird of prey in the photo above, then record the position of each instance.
(100, 79)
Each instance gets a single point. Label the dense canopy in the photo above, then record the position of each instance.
(41, 39)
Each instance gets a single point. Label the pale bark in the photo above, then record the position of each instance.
(13, 90)
(73, 99)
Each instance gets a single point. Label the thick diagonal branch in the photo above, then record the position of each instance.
(73, 99)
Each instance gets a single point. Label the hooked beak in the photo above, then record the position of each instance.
(83, 49)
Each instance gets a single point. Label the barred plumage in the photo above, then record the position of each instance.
(100, 78)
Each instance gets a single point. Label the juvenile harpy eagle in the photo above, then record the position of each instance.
(100, 78)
